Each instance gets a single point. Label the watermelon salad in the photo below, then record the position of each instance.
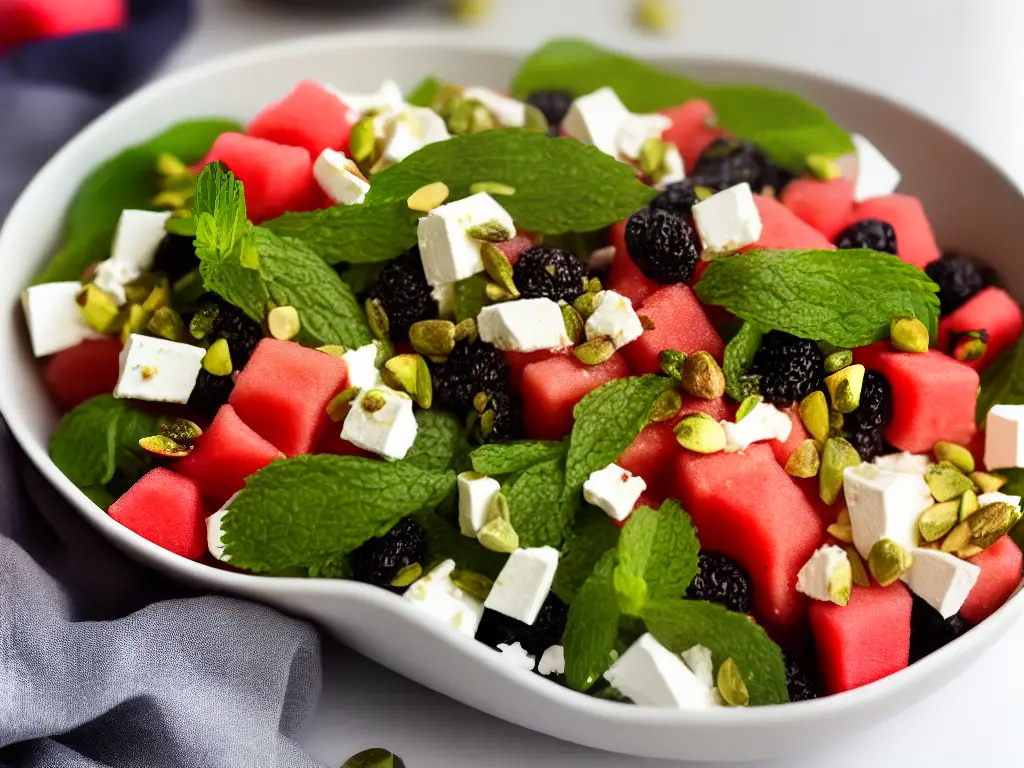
(661, 390)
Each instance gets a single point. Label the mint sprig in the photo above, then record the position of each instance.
(441, 444)
(1002, 383)
(739, 356)
(541, 507)
(515, 456)
(592, 534)
(592, 628)
(846, 298)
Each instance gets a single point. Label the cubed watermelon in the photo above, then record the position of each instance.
(225, 454)
(1000, 575)
(865, 640)
(167, 509)
(310, 117)
(784, 230)
(680, 323)
(991, 309)
(75, 374)
(825, 205)
(745, 506)
(691, 129)
(625, 277)
(512, 249)
(783, 450)
(22, 21)
(277, 178)
(933, 396)
(517, 362)
(283, 393)
(552, 387)
(915, 240)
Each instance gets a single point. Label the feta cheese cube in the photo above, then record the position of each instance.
(54, 317)
(215, 531)
(914, 464)
(138, 237)
(552, 662)
(764, 422)
(994, 496)
(476, 492)
(362, 367)
(699, 660)
(673, 167)
(517, 656)
(386, 98)
(824, 574)
(448, 253)
(870, 171)
(112, 276)
(340, 178)
(884, 505)
(511, 113)
(940, 579)
(413, 129)
(637, 129)
(436, 594)
(525, 325)
(652, 676)
(444, 296)
(524, 583)
(388, 431)
(1004, 437)
(615, 490)
(158, 370)
(596, 119)
(615, 318)
(729, 220)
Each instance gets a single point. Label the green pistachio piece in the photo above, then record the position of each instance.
(840, 583)
(181, 431)
(595, 351)
(992, 522)
(283, 323)
(535, 120)
(159, 297)
(838, 360)
(887, 561)
(498, 268)
(489, 231)
(217, 360)
(203, 320)
(339, 406)
(702, 193)
(858, 571)
(168, 324)
(805, 460)
(586, 304)
(499, 536)
(836, 456)
(165, 447)
(700, 433)
(334, 350)
(908, 334)
(377, 319)
(491, 188)
(730, 684)
(138, 290)
(407, 575)
(652, 157)
(409, 373)
(702, 376)
(466, 331)
(475, 584)
(987, 482)
(938, 520)
(428, 197)
(363, 140)
(672, 362)
(844, 387)
(956, 455)
(749, 403)
(666, 407)
(823, 167)
(373, 401)
(814, 415)
(946, 482)
(99, 309)
(496, 293)
(967, 348)
(958, 538)
(835, 423)
(435, 338)
(968, 505)
(574, 325)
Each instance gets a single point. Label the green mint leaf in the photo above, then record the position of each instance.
(129, 457)
(127, 180)
(658, 548)
(424, 92)
(85, 442)
(541, 508)
(607, 420)
(592, 627)
(516, 456)
(444, 542)
(360, 277)
(441, 442)
(592, 534)
(739, 356)
(1002, 383)
(311, 509)
(470, 297)
(100, 496)
(846, 298)
(682, 624)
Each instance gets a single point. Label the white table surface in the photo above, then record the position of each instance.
(957, 60)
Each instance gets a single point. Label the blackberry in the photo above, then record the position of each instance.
(663, 246)
(379, 560)
(790, 368)
(496, 628)
(727, 162)
(677, 198)
(508, 416)
(801, 684)
(402, 290)
(553, 105)
(549, 273)
(929, 631)
(468, 370)
(958, 278)
(875, 234)
(242, 335)
(175, 257)
(210, 393)
(721, 580)
(865, 427)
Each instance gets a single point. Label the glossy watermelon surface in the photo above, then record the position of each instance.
(167, 509)
(784, 230)
(680, 323)
(89, 369)
(552, 387)
(1000, 575)
(310, 117)
(825, 205)
(992, 310)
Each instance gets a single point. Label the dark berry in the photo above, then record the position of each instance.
(677, 198)
(721, 580)
(553, 105)
(929, 631)
(175, 257)
(663, 246)
(507, 419)
(549, 273)
(467, 371)
(210, 393)
(790, 368)
(496, 628)
(875, 234)
(802, 685)
(379, 560)
(727, 162)
(402, 290)
(865, 427)
(242, 335)
(958, 279)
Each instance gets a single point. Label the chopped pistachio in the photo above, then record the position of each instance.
(138, 290)
(160, 296)
(908, 334)
(702, 376)
(377, 319)
(958, 538)
(491, 188)
(844, 387)
(535, 120)
(667, 406)
(99, 309)
(969, 551)
(217, 360)
(938, 520)
(992, 522)
(838, 360)
(730, 684)
(373, 401)
(804, 461)
(480, 402)
(700, 433)
(595, 351)
(593, 285)
(585, 304)
(842, 532)
(428, 197)
(284, 323)
(814, 415)
(340, 405)
(840, 583)
(161, 445)
(181, 431)
(858, 571)
(411, 375)
(496, 293)
(987, 482)
(466, 330)
(823, 167)
(363, 140)
(702, 193)
(490, 231)
(498, 268)
(968, 505)
(956, 455)
(573, 324)
(946, 482)
(203, 320)
(837, 455)
(168, 165)
(969, 347)
(475, 584)
(137, 320)
(168, 324)
(672, 361)
(433, 337)
(652, 157)
(407, 575)
(835, 423)
(334, 350)
(498, 535)
(887, 561)
(749, 403)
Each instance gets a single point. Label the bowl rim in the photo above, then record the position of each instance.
(229, 581)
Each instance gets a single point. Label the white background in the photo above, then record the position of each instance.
(960, 61)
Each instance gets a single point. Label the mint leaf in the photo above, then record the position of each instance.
(441, 442)
(592, 627)
(99, 496)
(658, 548)
(360, 277)
(541, 508)
(739, 356)
(445, 542)
(127, 180)
(83, 445)
(846, 298)
(592, 534)
(470, 297)
(506, 458)
(607, 420)
(1002, 383)
(682, 624)
(129, 457)
(424, 92)
(305, 511)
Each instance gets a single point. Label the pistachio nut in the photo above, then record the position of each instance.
(373, 401)
(908, 334)
(181, 431)
(283, 323)
(574, 325)
(958, 538)
(340, 404)
(702, 376)
(407, 575)
(159, 297)
(652, 157)
(411, 374)
(377, 319)
(595, 351)
(730, 684)
(956, 455)
(363, 140)
(992, 522)
(496, 293)
(433, 337)
(858, 571)
(844, 387)
(987, 482)
(498, 268)
(168, 324)
(163, 446)
(814, 415)
(671, 361)
(585, 304)
(840, 531)
(946, 482)
(838, 360)
(749, 403)
(840, 583)
(968, 505)
(428, 197)
(666, 406)
(465, 330)
(969, 347)
(836, 456)
(217, 360)
(593, 285)
(203, 320)
(887, 561)
(491, 188)
(938, 520)
(498, 535)
(805, 460)
(700, 433)
(490, 231)
(535, 120)
(835, 423)
(99, 309)
(823, 167)
(136, 322)
(475, 584)
(334, 350)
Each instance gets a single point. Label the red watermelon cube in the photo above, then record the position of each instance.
(517, 362)
(310, 117)
(915, 241)
(991, 309)
(22, 21)
(865, 640)
(75, 374)
(825, 205)
(680, 323)
(625, 277)
(552, 387)
(783, 450)
(933, 396)
(1000, 574)
(225, 454)
(784, 230)
(283, 393)
(691, 129)
(167, 509)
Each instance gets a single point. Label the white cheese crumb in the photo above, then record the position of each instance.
(476, 492)
(818, 577)
(340, 178)
(389, 431)
(438, 596)
(517, 656)
(884, 505)
(942, 580)
(524, 325)
(523, 583)
(653, 676)
(764, 422)
(552, 662)
(614, 318)
(728, 220)
(614, 490)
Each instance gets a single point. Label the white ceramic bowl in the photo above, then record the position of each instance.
(972, 205)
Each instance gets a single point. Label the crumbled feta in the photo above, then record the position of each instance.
(476, 492)
(525, 325)
(672, 166)
(884, 505)
(387, 98)
(436, 594)
(517, 656)
(764, 422)
(112, 276)
(728, 220)
(615, 490)
(828, 567)
(362, 367)
(511, 113)
(138, 238)
(614, 318)
(942, 580)
(340, 178)
(1004, 437)
(596, 119)
(914, 464)
(651, 675)
(444, 296)
(995, 496)
(524, 583)
(158, 370)
(389, 431)
(448, 253)
(215, 531)
(637, 129)
(552, 662)
(699, 660)
(870, 171)
(413, 129)
(54, 317)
